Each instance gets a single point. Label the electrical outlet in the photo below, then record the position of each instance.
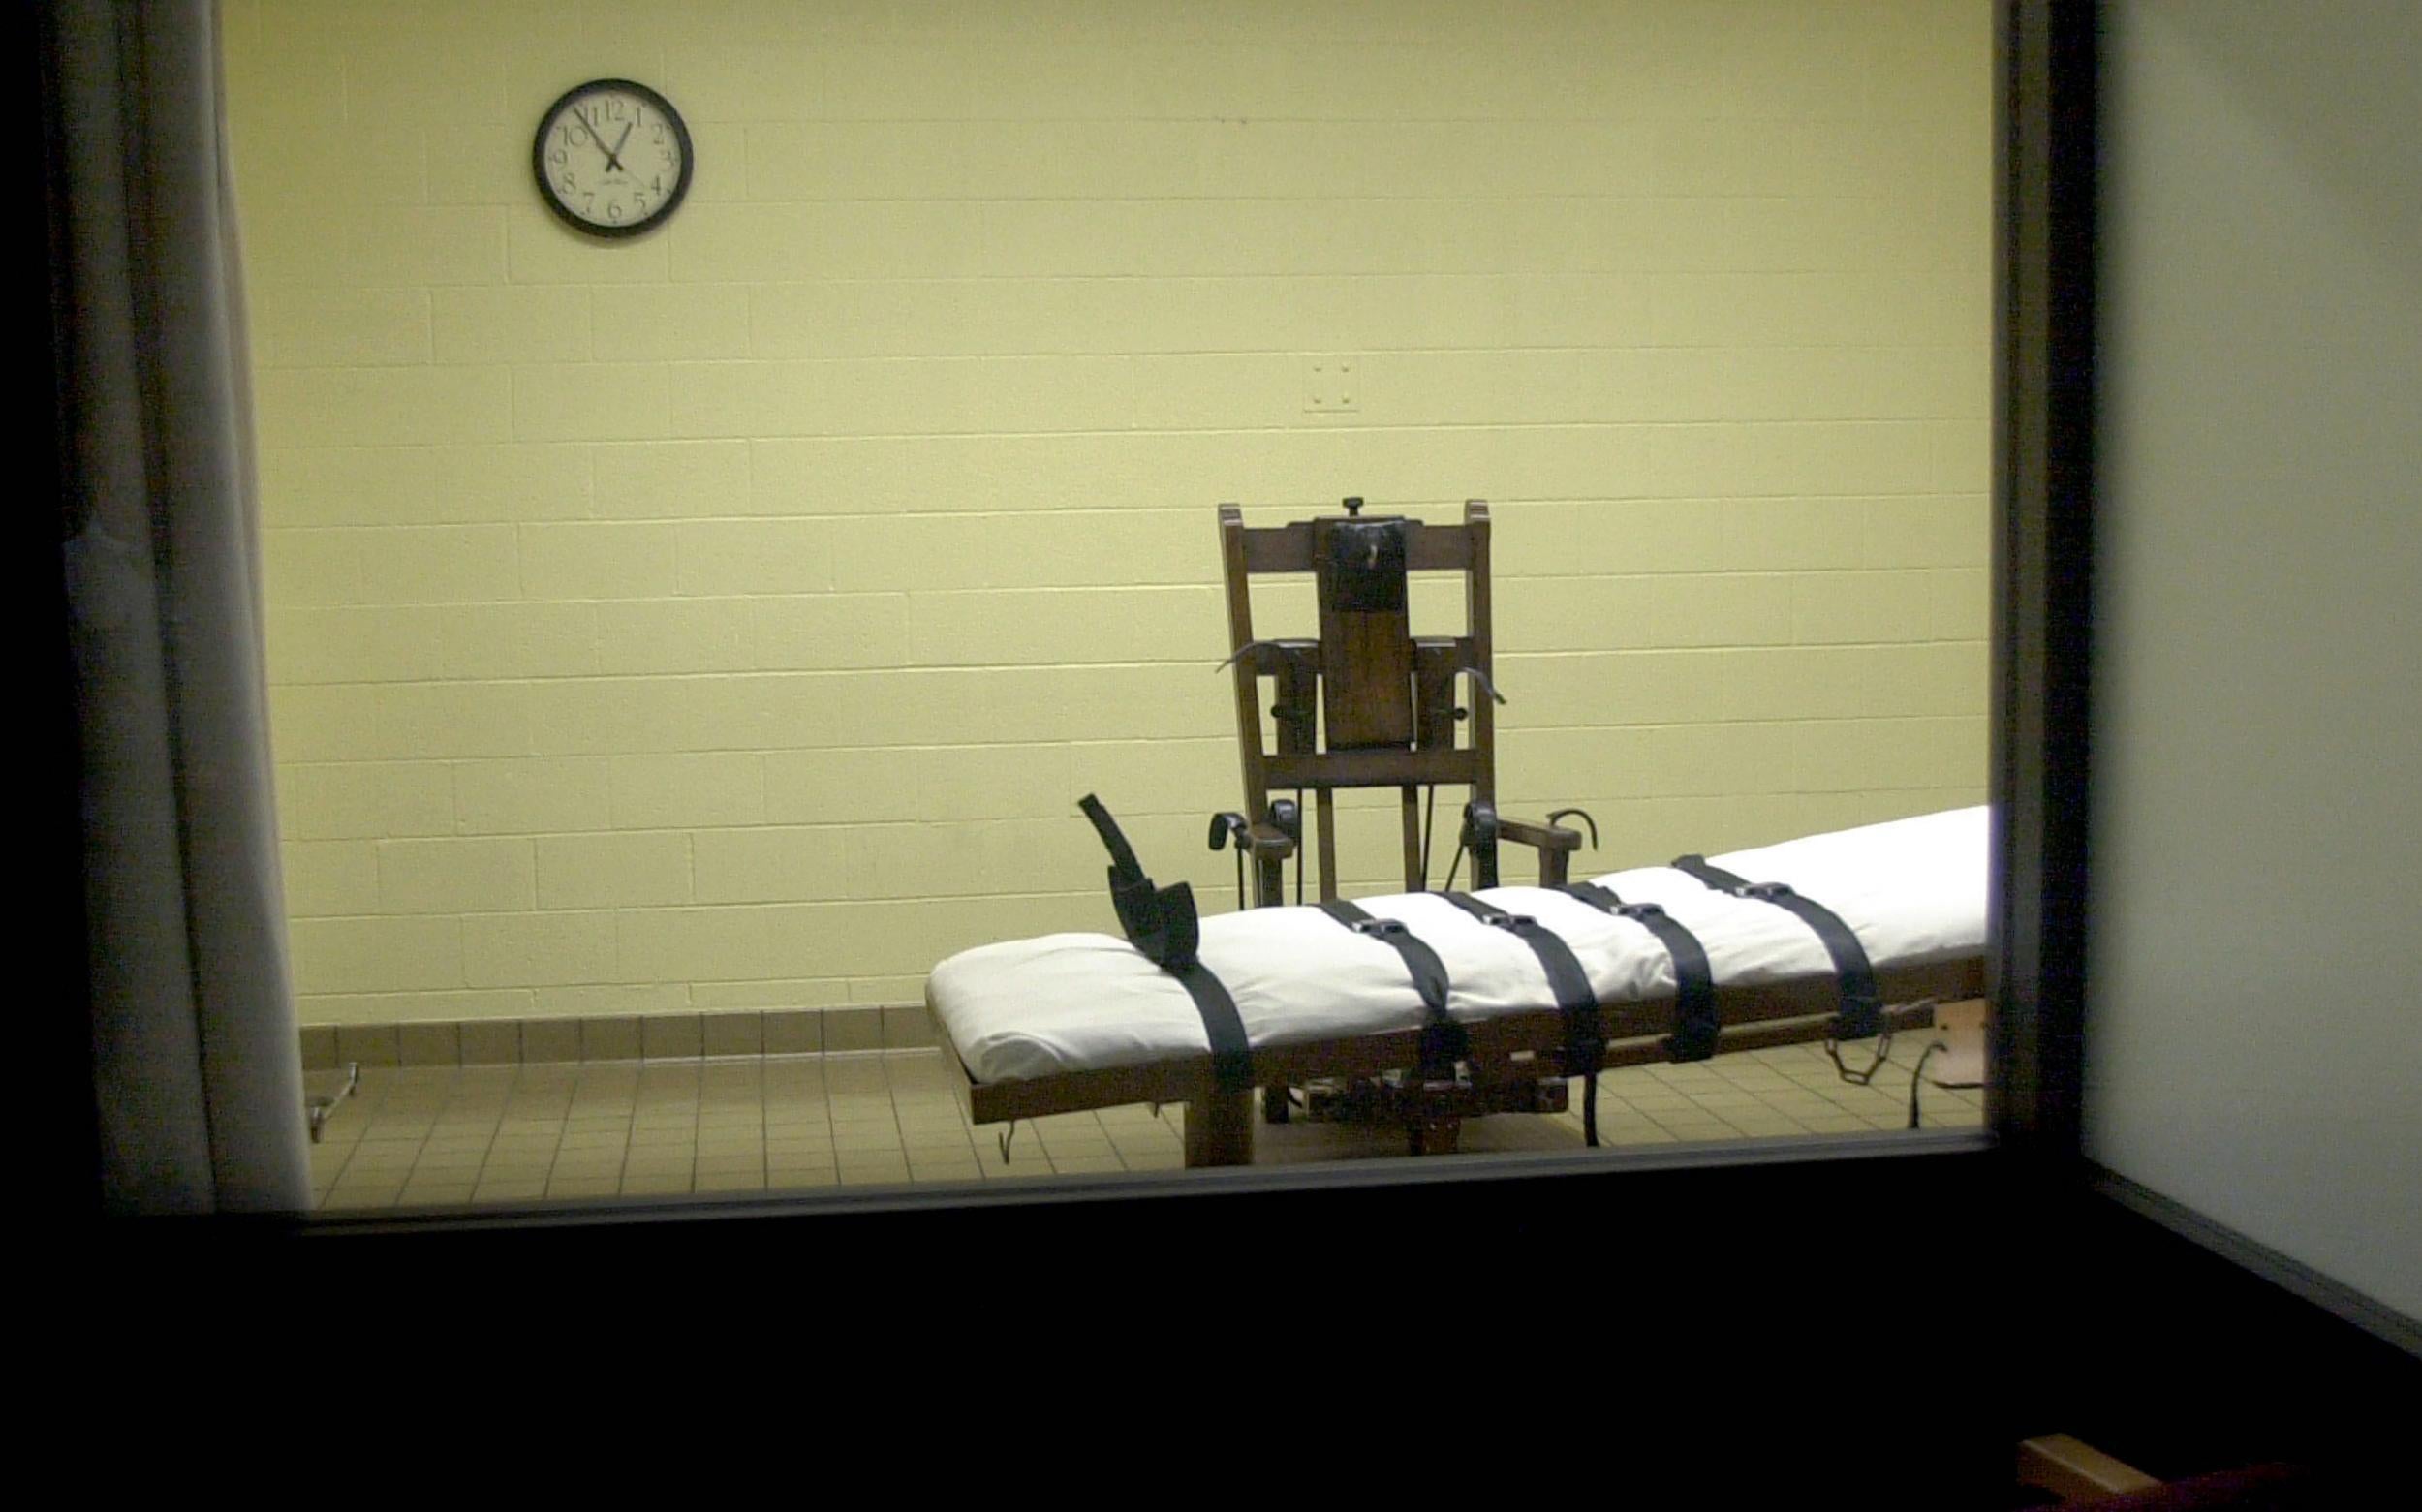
(1329, 387)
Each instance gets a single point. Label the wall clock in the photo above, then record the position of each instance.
(612, 158)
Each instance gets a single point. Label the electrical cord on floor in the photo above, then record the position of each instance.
(1918, 1076)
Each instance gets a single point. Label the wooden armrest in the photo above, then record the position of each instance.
(1268, 840)
(1544, 837)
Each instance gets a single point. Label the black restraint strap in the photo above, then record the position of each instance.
(1695, 1027)
(1585, 1033)
(1862, 1003)
(1231, 1052)
(1443, 1042)
(1162, 923)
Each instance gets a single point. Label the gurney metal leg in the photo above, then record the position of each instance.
(316, 1110)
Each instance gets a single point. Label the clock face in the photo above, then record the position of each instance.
(612, 158)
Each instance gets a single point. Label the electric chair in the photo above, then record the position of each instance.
(1369, 703)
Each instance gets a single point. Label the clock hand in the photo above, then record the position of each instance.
(611, 161)
(614, 157)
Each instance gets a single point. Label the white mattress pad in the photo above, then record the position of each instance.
(1912, 890)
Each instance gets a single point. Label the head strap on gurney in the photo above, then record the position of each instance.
(1443, 1042)
(1162, 923)
(1584, 1032)
(1695, 1027)
(1861, 1016)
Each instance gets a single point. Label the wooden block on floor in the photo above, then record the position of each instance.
(1961, 1061)
(2076, 1471)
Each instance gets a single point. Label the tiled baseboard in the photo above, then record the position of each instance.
(667, 1036)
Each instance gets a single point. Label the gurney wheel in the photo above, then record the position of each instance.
(1274, 1101)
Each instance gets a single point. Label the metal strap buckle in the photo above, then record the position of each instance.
(1766, 892)
(1379, 926)
(1641, 910)
(1515, 922)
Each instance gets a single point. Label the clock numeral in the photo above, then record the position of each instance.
(614, 209)
(659, 134)
(571, 183)
(588, 202)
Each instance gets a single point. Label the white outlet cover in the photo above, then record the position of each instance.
(1329, 384)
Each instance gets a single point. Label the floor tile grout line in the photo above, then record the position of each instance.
(1747, 1099)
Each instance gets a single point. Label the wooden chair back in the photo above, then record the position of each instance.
(1370, 702)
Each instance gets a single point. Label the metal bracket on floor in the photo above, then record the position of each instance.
(318, 1109)
(1006, 1135)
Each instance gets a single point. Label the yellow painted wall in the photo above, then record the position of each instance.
(730, 617)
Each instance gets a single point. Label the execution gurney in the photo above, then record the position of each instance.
(1069, 1021)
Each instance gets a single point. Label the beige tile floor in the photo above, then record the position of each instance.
(443, 1137)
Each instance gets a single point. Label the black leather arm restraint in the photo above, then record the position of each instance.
(1443, 1042)
(1161, 922)
(1585, 1033)
(1861, 1015)
(1695, 1023)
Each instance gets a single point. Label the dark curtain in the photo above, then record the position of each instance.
(198, 1082)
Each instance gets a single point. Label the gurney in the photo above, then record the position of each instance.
(1421, 1008)
(1070, 1022)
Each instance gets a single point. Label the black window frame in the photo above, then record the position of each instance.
(1428, 1286)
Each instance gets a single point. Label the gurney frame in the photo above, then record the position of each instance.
(1513, 1048)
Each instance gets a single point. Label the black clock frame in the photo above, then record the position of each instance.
(673, 201)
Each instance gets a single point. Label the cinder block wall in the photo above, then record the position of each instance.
(730, 617)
